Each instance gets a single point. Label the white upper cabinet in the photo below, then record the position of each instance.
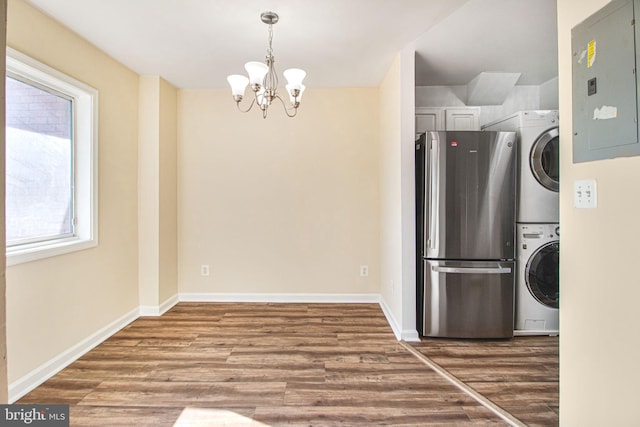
(429, 119)
(439, 118)
(462, 118)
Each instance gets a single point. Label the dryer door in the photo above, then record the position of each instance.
(545, 159)
(542, 274)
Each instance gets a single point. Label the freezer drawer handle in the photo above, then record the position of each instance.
(471, 270)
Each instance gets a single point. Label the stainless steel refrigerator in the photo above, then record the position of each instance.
(466, 184)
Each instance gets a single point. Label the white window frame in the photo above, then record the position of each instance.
(85, 164)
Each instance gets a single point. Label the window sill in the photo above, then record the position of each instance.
(27, 253)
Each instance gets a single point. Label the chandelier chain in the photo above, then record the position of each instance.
(270, 48)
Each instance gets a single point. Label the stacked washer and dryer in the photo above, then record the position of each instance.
(537, 220)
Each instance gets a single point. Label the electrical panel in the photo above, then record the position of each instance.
(605, 83)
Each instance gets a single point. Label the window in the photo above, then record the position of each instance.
(51, 161)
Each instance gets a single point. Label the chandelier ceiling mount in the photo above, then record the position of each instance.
(269, 18)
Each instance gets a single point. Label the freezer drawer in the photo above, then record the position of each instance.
(468, 299)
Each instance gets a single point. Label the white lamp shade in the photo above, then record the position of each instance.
(257, 71)
(294, 77)
(290, 89)
(238, 84)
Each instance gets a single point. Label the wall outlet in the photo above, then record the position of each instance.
(204, 270)
(364, 270)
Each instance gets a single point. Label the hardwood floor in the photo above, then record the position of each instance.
(207, 364)
(519, 375)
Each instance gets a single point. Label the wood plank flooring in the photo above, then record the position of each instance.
(208, 364)
(519, 375)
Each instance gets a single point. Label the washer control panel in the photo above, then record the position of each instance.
(535, 235)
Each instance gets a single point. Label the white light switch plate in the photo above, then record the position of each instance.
(585, 195)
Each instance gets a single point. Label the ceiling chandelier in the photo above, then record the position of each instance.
(264, 80)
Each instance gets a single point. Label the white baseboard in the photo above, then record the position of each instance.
(409, 335)
(391, 319)
(280, 298)
(159, 310)
(33, 379)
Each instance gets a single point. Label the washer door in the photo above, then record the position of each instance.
(542, 274)
(545, 159)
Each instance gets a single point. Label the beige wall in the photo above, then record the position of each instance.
(168, 181)
(149, 190)
(408, 191)
(279, 205)
(600, 285)
(397, 193)
(53, 304)
(157, 196)
(390, 190)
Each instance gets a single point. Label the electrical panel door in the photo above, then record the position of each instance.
(605, 112)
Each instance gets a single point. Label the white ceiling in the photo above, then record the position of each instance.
(514, 36)
(197, 43)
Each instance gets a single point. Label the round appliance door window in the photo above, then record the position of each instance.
(545, 159)
(542, 273)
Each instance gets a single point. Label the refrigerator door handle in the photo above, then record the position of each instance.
(471, 270)
(433, 210)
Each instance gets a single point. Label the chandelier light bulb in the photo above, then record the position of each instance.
(295, 93)
(262, 100)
